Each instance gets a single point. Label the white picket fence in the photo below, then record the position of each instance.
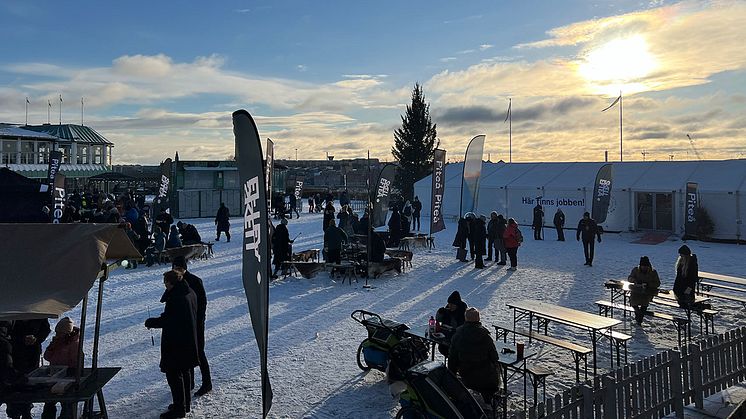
(655, 386)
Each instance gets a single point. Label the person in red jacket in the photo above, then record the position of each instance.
(512, 238)
(63, 351)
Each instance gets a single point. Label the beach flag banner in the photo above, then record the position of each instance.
(471, 175)
(298, 189)
(602, 193)
(164, 185)
(270, 169)
(438, 188)
(55, 160)
(692, 202)
(255, 251)
(382, 194)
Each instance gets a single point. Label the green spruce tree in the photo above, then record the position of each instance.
(414, 143)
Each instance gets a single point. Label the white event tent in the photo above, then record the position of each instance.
(646, 196)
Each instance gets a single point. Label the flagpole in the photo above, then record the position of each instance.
(621, 149)
(370, 228)
(60, 109)
(26, 110)
(510, 129)
(49, 112)
(81, 111)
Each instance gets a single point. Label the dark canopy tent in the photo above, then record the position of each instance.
(48, 269)
(21, 199)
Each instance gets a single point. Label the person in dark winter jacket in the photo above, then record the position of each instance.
(645, 286)
(8, 374)
(492, 236)
(478, 235)
(502, 224)
(538, 222)
(471, 218)
(174, 240)
(328, 214)
(164, 220)
(416, 209)
(450, 317)
(394, 227)
(687, 276)
(587, 229)
(460, 240)
(294, 206)
(27, 337)
(474, 357)
(223, 222)
(179, 347)
(189, 233)
(559, 224)
(333, 239)
(179, 265)
(378, 247)
(281, 246)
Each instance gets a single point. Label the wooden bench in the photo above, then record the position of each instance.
(376, 269)
(190, 251)
(605, 307)
(620, 341)
(404, 255)
(537, 375)
(705, 314)
(723, 296)
(710, 285)
(578, 352)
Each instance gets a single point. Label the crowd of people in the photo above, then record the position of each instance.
(503, 237)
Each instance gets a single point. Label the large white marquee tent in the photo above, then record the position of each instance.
(645, 195)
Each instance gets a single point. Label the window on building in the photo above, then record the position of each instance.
(66, 150)
(10, 152)
(43, 151)
(98, 154)
(82, 154)
(108, 156)
(27, 152)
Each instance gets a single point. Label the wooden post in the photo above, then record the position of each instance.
(675, 379)
(695, 363)
(609, 388)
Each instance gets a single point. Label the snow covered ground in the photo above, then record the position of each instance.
(313, 341)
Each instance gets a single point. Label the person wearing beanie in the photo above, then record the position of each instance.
(179, 349)
(281, 247)
(195, 283)
(687, 275)
(473, 356)
(587, 228)
(450, 317)
(63, 351)
(645, 284)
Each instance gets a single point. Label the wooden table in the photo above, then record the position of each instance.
(91, 387)
(546, 312)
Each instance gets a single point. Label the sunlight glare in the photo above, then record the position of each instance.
(620, 64)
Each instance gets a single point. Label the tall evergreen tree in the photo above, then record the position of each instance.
(414, 143)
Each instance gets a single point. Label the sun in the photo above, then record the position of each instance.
(620, 64)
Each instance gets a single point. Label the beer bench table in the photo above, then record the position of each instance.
(620, 291)
(605, 308)
(708, 281)
(578, 352)
(345, 270)
(189, 251)
(546, 313)
(92, 386)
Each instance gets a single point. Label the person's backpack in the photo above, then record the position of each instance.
(518, 235)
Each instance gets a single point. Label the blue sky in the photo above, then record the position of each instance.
(336, 76)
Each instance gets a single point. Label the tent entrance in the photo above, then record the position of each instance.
(654, 211)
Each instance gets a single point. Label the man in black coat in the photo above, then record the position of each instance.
(164, 220)
(223, 222)
(473, 355)
(395, 232)
(538, 222)
(334, 237)
(377, 248)
(459, 241)
(559, 223)
(195, 283)
(179, 348)
(26, 339)
(587, 228)
(477, 235)
(281, 246)
(416, 209)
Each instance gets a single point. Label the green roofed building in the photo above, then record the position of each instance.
(25, 150)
